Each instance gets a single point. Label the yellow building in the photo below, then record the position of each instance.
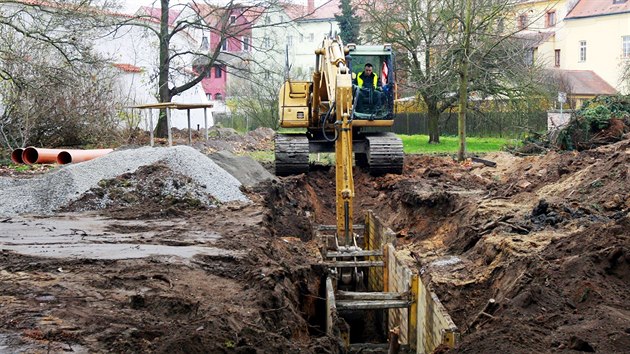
(584, 43)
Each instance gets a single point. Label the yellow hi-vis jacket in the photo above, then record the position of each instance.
(360, 80)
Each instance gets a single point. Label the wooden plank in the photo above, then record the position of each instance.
(362, 253)
(353, 295)
(371, 305)
(334, 227)
(331, 311)
(413, 313)
(352, 264)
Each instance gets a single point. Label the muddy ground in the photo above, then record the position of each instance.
(547, 237)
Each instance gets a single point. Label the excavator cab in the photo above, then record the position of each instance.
(372, 101)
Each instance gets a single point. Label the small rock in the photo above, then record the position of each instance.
(576, 343)
(523, 184)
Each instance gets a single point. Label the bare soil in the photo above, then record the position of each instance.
(547, 237)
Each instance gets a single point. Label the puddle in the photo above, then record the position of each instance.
(85, 237)
(115, 251)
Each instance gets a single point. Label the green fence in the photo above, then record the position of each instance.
(491, 124)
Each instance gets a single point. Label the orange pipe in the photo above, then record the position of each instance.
(33, 155)
(68, 156)
(16, 155)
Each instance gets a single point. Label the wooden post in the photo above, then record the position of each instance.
(205, 121)
(330, 307)
(189, 128)
(385, 268)
(413, 313)
(151, 126)
(168, 126)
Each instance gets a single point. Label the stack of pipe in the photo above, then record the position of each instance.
(32, 155)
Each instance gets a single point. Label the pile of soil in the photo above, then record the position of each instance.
(545, 237)
(157, 188)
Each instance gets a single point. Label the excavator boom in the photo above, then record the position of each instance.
(334, 111)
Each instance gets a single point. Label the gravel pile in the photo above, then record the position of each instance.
(247, 170)
(48, 193)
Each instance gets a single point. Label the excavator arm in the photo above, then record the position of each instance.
(343, 157)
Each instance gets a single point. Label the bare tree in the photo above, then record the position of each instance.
(490, 61)
(54, 89)
(417, 31)
(232, 22)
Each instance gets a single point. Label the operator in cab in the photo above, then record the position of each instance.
(367, 78)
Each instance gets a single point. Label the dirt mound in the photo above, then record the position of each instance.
(228, 139)
(263, 301)
(544, 236)
(156, 188)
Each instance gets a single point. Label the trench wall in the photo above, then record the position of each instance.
(426, 324)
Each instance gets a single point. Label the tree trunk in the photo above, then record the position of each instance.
(461, 116)
(161, 129)
(433, 115)
(463, 83)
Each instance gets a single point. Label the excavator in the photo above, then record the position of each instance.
(343, 118)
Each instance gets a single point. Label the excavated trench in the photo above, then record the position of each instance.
(301, 205)
(536, 246)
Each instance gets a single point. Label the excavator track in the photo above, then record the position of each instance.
(384, 153)
(291, 152)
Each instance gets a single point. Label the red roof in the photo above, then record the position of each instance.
(327, 10)
(584, 82)
(156, 13)
(591, 8)
(128, 68)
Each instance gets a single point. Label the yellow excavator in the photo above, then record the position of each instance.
(342, 118)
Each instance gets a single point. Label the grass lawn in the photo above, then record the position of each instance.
(419, 144)
(413, 144)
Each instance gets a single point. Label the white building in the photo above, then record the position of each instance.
(134, 50)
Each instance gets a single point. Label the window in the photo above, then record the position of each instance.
(301, 38)
(224, 44)
(501, 25)
(232, 19)
(266, 42)
(557, 57)
(204, 43)
(290, 40)
(267, 20)
(209, 96)
(522, 22)
(218, 97)
(311, 37)
(582, 51)
(217, 72)
(550, 20)
(625, 46)
(246, 44)
(529, 57)
(619, 1)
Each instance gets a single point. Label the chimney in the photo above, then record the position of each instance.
(310, 8)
